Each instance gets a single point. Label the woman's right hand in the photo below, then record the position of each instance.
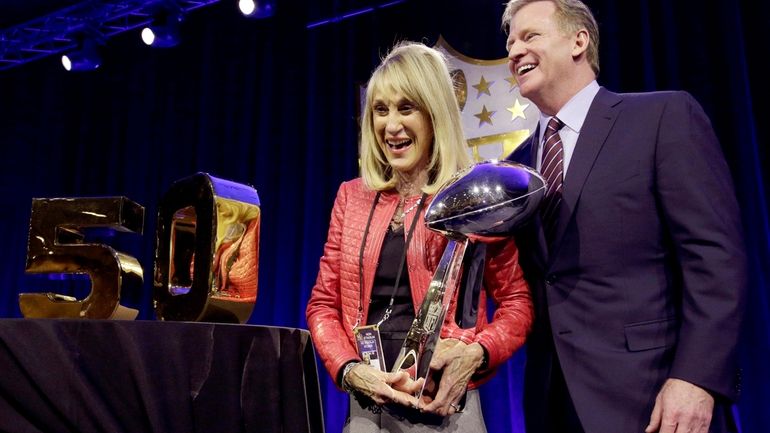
(383, 387)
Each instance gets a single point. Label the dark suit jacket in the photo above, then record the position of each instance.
(646, 276)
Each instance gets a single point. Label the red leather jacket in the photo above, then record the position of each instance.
(334, 301)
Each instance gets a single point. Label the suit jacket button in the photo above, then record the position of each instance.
(551, 279)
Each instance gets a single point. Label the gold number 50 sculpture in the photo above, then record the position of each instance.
(206, 255)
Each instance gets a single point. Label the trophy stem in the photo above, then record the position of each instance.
(417, 351)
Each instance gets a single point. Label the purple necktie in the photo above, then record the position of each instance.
(552, 169)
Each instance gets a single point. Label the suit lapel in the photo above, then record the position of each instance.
(526, 153)
(601, 116)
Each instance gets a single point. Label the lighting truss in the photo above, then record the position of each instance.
(60, 31)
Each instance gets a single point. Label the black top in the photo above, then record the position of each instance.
(393, 331)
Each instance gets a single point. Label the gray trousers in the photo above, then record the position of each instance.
(397, 419)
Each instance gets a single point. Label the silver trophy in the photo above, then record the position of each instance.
(484, 202)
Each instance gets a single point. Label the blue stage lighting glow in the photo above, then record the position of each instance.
(352, 14)
(86, 58)
(257, 8)
(164, 32)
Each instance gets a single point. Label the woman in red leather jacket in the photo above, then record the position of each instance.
(379, 253)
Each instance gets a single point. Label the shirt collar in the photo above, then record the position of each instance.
(574, 112)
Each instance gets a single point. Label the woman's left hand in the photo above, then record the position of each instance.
(458, 361)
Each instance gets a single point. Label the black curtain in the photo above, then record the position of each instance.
(273, 103)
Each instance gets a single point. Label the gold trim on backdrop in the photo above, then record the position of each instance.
(513, 138)
(443, 43)
(510, 141)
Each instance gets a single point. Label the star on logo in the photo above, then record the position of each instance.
(517, 110)
(483, 87)
(485, 116)
(512, 81)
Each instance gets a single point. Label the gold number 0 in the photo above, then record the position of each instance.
(56, 245)
(207, 251)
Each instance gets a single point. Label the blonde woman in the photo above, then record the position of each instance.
(379, 259)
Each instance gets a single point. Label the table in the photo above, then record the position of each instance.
(150, 376)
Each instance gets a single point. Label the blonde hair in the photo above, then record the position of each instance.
(571, 15)
(419, 73)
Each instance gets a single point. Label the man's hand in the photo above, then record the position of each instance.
(681, 407)
(382, 387)
(458, 361)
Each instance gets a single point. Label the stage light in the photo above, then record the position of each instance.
(257, 8)
(164, 33)
(85, 58)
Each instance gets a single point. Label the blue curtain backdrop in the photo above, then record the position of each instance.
(273, 104)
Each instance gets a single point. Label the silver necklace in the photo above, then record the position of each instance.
(398, 220)
(411, 208)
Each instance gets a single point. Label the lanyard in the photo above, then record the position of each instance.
(400, 268)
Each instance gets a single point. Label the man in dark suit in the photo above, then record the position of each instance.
(636, 259)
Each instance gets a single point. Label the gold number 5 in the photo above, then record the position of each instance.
(56, 245)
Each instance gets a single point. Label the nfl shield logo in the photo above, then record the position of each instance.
(496, 118)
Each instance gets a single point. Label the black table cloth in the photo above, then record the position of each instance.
(147, 376)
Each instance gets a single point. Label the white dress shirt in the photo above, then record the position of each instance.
(572, 114)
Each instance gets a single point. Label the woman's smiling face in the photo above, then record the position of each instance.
(403, 131)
